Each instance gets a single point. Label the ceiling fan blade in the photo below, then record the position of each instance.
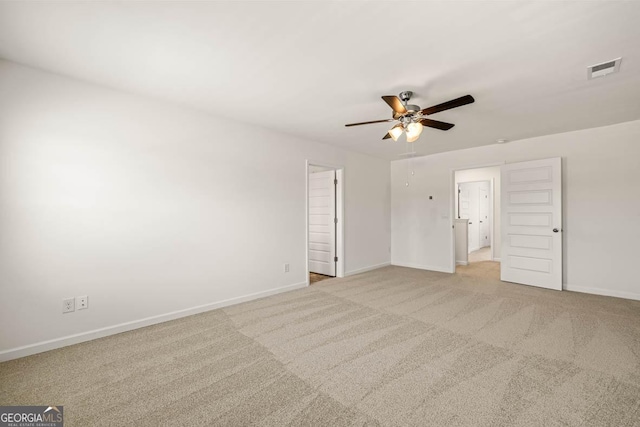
(368, 123)
(386, 136)
(436, 124)
(395, 103)
(458, 102)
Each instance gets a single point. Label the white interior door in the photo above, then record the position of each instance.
(483, 218)
(531, 208)
(468, 209)
(322, 227)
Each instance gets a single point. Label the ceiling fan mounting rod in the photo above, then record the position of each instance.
(405, 96)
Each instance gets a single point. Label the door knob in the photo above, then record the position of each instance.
(555, 230)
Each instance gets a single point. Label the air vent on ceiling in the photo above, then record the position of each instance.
(603, 69)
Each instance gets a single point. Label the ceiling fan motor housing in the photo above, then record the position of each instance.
(405, 97)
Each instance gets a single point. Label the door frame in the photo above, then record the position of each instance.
(452, 208)
(339, 214)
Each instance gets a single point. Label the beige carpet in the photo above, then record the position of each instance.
(483, 254)
(392, 347)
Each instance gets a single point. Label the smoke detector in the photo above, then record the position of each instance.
(603, 69)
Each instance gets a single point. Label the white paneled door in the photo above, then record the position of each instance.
(468, 209)
(531, 226)
(322, 227)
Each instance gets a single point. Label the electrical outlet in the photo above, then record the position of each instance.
(286, 268)
(82, 302)
(68, 305)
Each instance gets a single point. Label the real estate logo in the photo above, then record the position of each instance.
(31, 416)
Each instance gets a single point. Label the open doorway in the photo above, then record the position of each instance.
(474, 206)
(477, 215)
(324, 222)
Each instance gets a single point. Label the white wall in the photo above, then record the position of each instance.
(150, 208)
(484, 174)
(601, 205)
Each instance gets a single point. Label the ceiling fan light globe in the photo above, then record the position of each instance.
(413, 132)
(395, 133)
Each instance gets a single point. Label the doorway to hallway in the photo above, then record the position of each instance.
(474, 206)
(477, 215)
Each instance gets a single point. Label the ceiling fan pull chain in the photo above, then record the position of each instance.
(408, 163)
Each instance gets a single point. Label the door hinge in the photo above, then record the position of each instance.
(335, 259)
(335, 220)
(335, 181)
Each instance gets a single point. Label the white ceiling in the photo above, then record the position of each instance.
(307, 68)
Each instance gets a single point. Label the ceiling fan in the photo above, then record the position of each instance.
(411, 118)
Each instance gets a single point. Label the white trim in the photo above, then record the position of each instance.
(28, 350)
(453, 194)
(422, 267)
(365, 269)
(340, 229)
(603, 292)
(492, 216)
(462, 263)
(496, 259)
(479, 166)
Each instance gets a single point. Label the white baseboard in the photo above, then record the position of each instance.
(600, 291)
(462, 263)
(422, 267)
(28, 350)
(365, 269)
(496, 259)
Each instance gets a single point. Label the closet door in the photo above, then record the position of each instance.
(531, 208)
